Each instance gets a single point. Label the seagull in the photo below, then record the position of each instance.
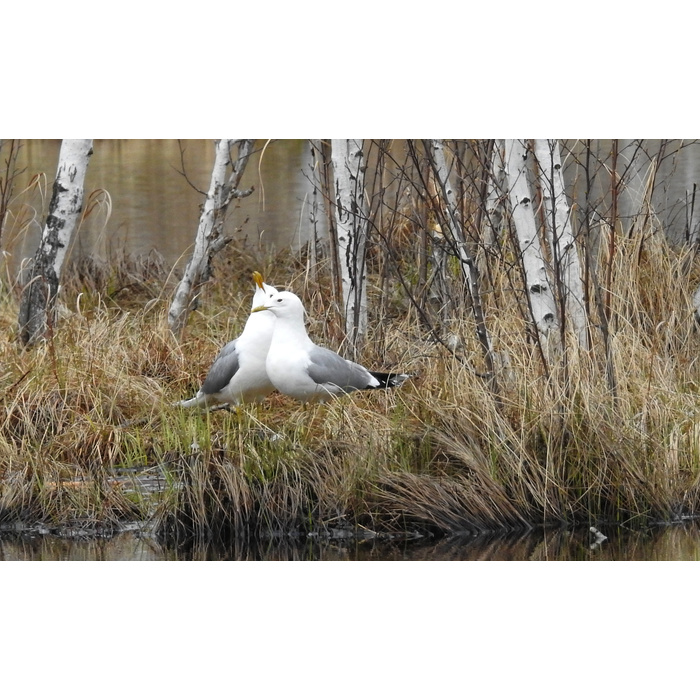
(238, 373)
(305, 371)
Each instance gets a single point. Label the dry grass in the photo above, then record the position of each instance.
(86, 420)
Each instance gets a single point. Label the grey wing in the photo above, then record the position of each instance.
(224, 367)
(327, 367)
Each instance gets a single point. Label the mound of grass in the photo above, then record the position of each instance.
(89, 435)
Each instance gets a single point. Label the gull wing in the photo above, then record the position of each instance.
(222, 371)
(327, 367)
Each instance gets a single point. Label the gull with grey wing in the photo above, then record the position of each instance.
(238, 374)
(299, 368)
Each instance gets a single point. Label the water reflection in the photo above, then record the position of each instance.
(151, 204)
(673, 543)
(126, 546)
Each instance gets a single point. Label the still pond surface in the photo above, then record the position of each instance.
(145, 194)
(671, 543)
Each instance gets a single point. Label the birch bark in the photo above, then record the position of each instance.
(566, 262)
(210, 239)
(468, 266)
(495, 196)
(351, 220)
(538, 288)
(36, 310)
(441, 171)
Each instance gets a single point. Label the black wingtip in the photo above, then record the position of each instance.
(389, 380)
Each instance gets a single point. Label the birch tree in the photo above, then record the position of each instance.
(441, 171)
(351, 221)
(36, 310)
(468, 266)
(494, 195)
(565, 258)
(210, 239)
(539, 290)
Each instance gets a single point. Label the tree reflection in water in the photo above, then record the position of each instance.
(671, 543)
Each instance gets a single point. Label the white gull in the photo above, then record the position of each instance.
(308, 372)
(238, 374)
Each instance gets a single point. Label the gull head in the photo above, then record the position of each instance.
(283, 305)
(263, 291)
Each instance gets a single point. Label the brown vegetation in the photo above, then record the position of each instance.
(87, 422)
(89, 434)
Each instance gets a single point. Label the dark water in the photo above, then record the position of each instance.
(669, 543)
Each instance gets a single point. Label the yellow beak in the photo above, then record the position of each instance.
(260, 308)
(258, 279)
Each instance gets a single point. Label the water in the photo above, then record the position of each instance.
(153, 205)
(670, 543)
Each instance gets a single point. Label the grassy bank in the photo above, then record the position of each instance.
(89, 436)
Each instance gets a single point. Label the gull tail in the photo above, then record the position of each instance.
(189, 402)
(389, 380)
(204, 401)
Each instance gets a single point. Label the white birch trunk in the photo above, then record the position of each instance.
(39, 295)
(451, 209)
(696, 304)
(494, 195)
(561, 240)
(538, 287)
(470, 273)
(351, 220)
(209, 239)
